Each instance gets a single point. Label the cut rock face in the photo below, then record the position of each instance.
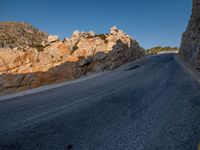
(190, 45)
(54, 60)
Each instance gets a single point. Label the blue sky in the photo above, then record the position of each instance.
(151, 22)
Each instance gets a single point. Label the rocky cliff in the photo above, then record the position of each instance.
(190, 45)
(36, 59)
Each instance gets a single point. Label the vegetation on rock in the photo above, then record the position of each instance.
(159, 49)
(20, 34)
(39, 47)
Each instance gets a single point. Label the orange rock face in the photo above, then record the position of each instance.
(57, 61)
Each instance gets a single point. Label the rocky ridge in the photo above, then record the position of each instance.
(51, 60)
(190, 45)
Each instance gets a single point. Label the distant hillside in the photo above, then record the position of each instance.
(159, 49)
(20, 34)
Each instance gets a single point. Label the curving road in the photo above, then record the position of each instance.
(153, 104)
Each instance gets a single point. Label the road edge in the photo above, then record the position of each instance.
(188, 67)
(50, 86)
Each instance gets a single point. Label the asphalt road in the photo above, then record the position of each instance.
(153, 104)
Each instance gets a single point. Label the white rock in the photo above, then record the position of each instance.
(113, 30)
(91, 33)
(52, 38)
(76, 33)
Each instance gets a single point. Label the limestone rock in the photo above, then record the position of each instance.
(52, 38)
(190, 45)
(91, 33)
(53, 60)
(76, 34)
(11, 81)
(113, 30)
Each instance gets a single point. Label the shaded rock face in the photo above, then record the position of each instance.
(190, 45)
(56, 61)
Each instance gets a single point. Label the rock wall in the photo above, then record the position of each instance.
(190, 45)
(54, 60)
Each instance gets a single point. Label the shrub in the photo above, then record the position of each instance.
(39, 47)
(158, 49)
(102, 36)
(74, 48)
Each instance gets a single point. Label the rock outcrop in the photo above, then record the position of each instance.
(52, 38)
(52, 60)
(190, 45)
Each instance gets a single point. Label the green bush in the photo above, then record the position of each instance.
(39, 47)
(74, 48)
(102, 36)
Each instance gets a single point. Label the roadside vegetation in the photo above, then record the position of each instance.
(159, 49)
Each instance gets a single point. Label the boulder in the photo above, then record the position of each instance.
(76, 34)
(52, 38)
(10, 81)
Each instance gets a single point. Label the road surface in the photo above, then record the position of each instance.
(153, 104)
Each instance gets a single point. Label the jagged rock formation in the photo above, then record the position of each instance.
(53, 60)
(190, 45)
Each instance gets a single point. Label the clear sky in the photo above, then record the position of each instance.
(151, 22)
